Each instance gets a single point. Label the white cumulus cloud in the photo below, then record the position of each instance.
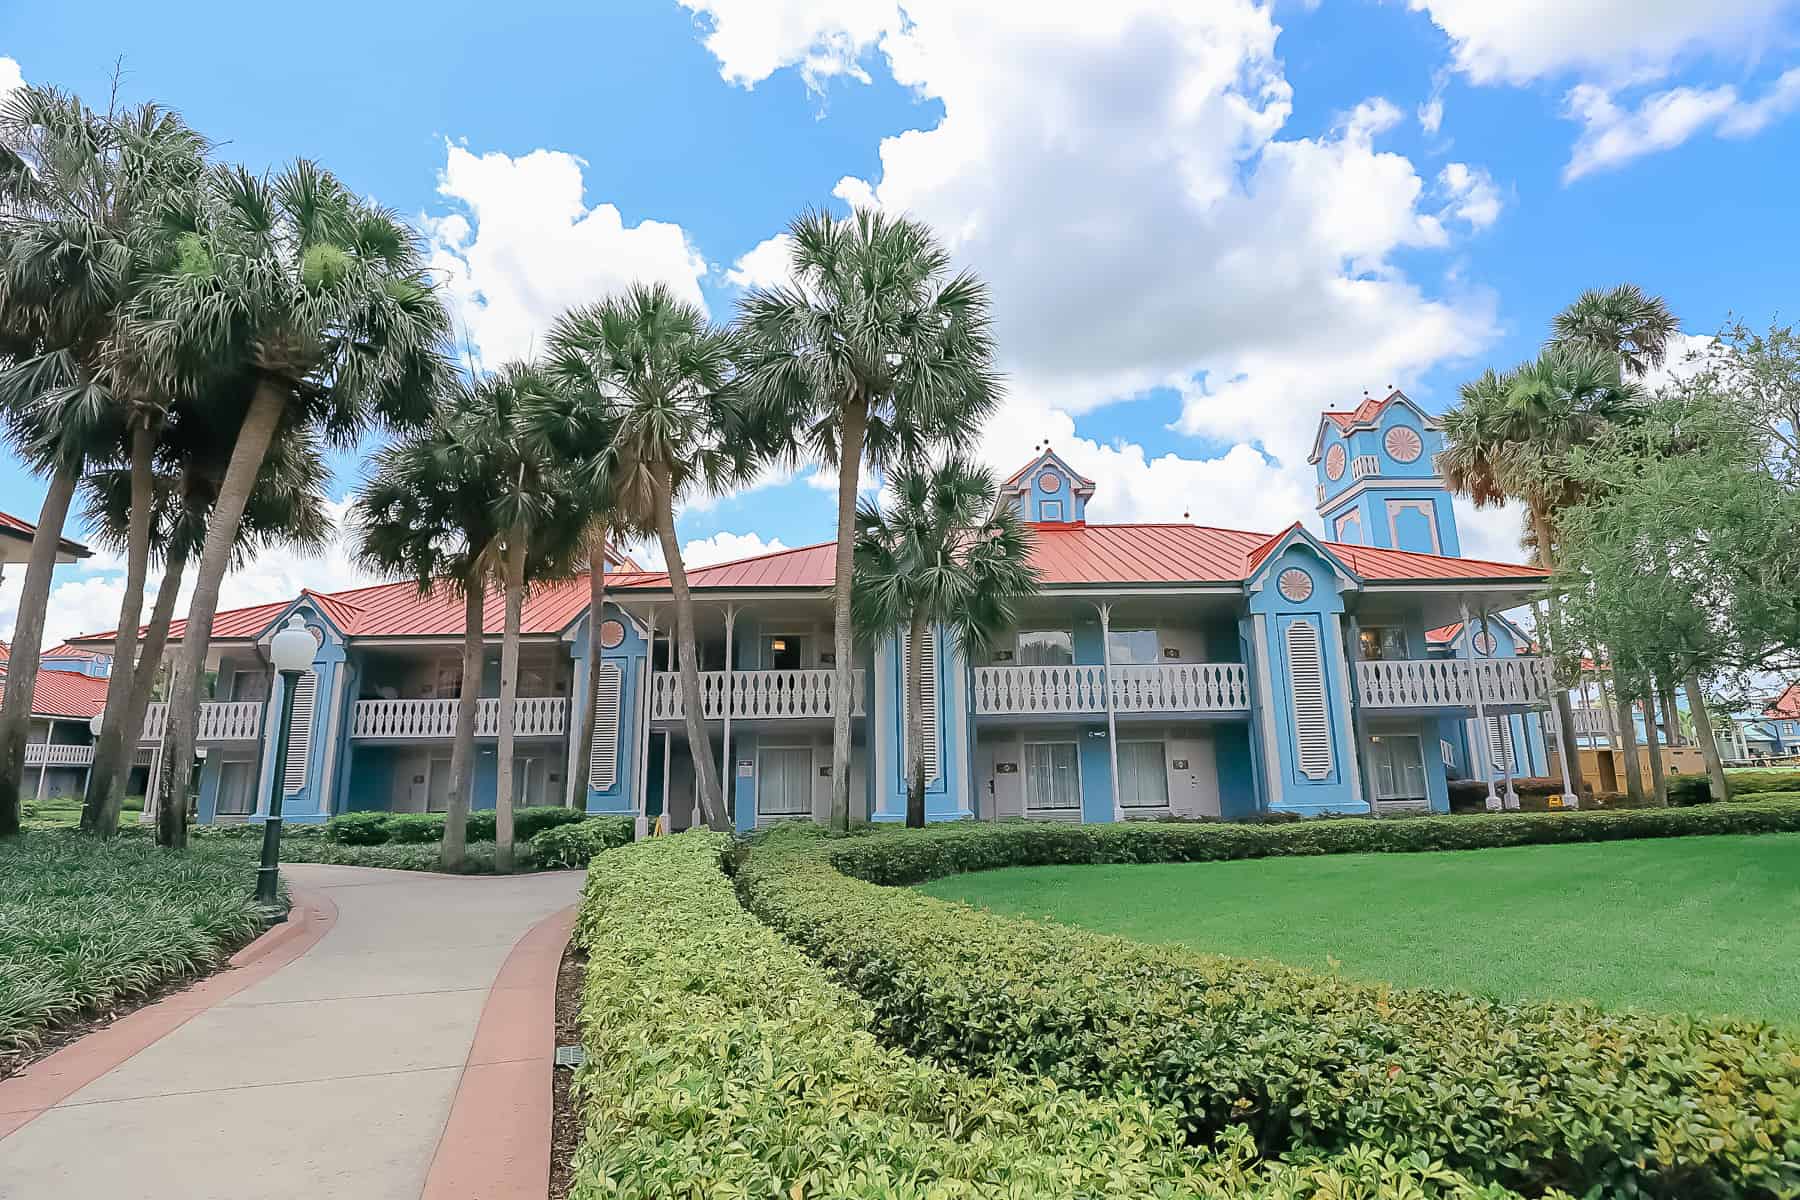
(1612, 135)
(11, 76)
(767, 264)
(723, 546)
(521, 245)
(1471, 194)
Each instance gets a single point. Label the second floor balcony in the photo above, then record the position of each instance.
(425, 720)
(220, 721)
(1080, 689)
(754, 695)
(1421, 683)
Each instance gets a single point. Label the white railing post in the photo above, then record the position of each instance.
(1487, 767)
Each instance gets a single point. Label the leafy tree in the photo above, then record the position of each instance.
(301, 312)
(681, 428)
(871, 353)
(81, 192)
(944, 552)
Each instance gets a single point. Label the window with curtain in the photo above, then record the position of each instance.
(1046, 648)
(1128, 647)
(784, 783)
(1143, 776)
(1399, 765)
(1052, 786)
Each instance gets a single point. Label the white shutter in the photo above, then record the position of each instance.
(300, 724)
(603, 761)
(1312, 717)
(1500, 745)
(929, 712)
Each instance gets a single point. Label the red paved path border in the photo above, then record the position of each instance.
(496, 1144)
(51, 1080)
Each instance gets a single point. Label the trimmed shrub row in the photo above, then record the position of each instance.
(1531, 1096)
(380, 828)
(575, 845)
(1752, 781)
(564, 844)
(721, 1062)
(949, 849)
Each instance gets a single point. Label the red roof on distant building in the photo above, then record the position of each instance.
(1785, 706)
(1362, 414)
(68, 650)
(5, 651)
(68, 694)
(1065, 555)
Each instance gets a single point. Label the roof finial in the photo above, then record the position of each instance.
(1184, 516)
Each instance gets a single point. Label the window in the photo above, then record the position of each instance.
(1050, 510)
(1312, 717)
(1046, 648)
(1052, 780)
(249, 685)
(784, 783)
(1381, 643)
(1143, 776)
(237, 794)
(1399, 766)
(301, 701)
(1132, 646)
(603, 759)
(781, 653)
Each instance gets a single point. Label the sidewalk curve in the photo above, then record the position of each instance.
(335, 1074)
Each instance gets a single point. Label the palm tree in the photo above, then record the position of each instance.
(944, 552)
(668, 374)
(428, 513)
(873, 352)
(286, 508)
(576, 419)
(309, 312)
(81, 193)
(1625, 321)
(1510, 437)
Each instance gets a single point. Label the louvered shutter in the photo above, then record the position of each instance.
(1312, 716)
(603, 762)
(1500, 744)
(929, 666)
(300, 726)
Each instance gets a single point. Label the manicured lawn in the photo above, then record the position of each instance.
(1699, 924)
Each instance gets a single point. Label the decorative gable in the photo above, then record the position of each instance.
(1047, 491)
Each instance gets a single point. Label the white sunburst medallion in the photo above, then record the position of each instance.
(1404, 444)
(611, 634)
(1295, 585)
(1334, 463)
(1050, 481)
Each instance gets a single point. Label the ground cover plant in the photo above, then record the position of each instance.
(1533, 1096)
(1719, 917)
(86, 925)
(64, 812)
(722, 1062)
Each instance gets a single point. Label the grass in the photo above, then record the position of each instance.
(87, 926)
(64, 812)
(1705, 925)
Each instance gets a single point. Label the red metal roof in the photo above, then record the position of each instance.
(1362, 414)
(803, 567)
(25, 529)
(67, 694)
(67, 650)
(1786, 705)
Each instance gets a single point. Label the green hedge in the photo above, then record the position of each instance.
(721, 1062)
(947, 849)
(561, 844)
(1748, 781)
(380, 828)
(1532, 1096)
(575, 845)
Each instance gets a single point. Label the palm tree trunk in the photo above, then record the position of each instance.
(706, 771)
(468, 707)
(247, 455)
(143, 682)
(1672, 734)
(1709, 745)
(1659, 779)
(854, 423)
(915, 722)
(578, 778)
(1634, 771)
(28, 643)
(100, 809)
(509, 693)
(1565, 713)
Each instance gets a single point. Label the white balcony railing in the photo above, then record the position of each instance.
(223, 721)
(755, 695)
(1597, 722)
(1080, 689)
(1453, 682)
(45, 754)
(414, 720)
(1364, 465)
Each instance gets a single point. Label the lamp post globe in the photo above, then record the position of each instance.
(291, 653)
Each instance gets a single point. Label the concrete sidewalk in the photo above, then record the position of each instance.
(333, 1077)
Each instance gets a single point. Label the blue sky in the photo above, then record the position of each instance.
(1202, 222)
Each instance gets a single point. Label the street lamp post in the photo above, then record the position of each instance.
(292, 653)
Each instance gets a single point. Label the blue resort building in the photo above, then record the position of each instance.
(1161, 669)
